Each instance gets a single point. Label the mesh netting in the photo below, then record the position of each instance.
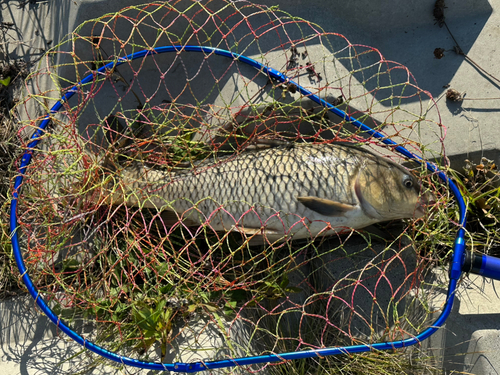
(108, 246)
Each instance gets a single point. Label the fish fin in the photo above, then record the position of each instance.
(256, 236)
(249, 231)
(325, 207)
(263, 143)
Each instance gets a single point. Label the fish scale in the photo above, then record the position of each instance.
(271, 174)
(258, 192)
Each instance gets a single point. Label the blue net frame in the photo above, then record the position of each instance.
(455, 266)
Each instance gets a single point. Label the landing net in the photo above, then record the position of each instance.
(162, 291)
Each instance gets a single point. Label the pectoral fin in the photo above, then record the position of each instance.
(325, 207)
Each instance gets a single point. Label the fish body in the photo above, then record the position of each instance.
(297, 190)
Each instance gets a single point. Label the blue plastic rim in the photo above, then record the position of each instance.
(455, 267)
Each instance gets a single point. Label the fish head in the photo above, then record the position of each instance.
(388, 191)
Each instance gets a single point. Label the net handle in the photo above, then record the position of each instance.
(455, 267)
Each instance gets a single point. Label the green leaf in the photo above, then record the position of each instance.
(121, 307)
(5, 81)
(211, 307)
(270, 284)
(150, 334)
(142, 318)
(160, 307)
(293, 289)
(222, 330)
(204, 296)
(167, 315)
(70, 265)
(284, 282)
(229, 308)
(165, 289)
(148, 343)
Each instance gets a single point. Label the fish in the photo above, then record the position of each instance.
(291, 191)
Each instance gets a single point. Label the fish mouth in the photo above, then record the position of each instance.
(425, 201)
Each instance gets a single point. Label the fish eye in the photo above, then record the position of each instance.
(407, 182)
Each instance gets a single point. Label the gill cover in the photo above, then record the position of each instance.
(386, 190)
